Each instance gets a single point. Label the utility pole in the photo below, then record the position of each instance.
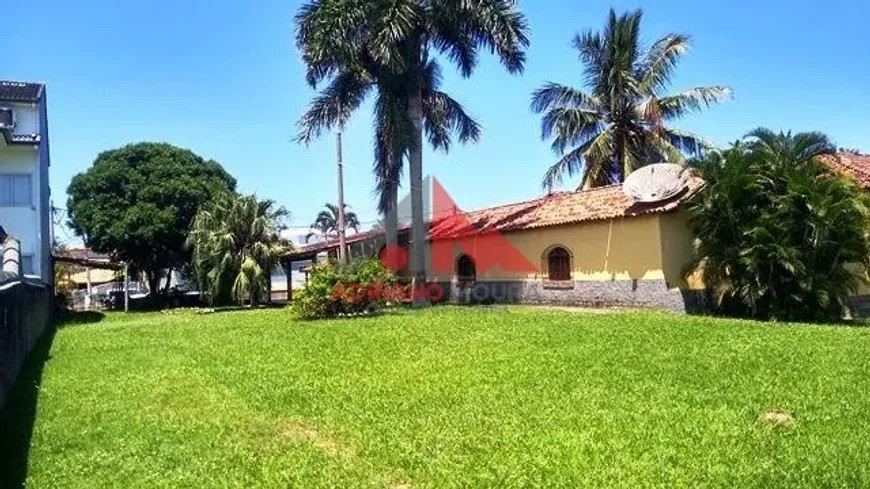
(342, 241)
(126, 287)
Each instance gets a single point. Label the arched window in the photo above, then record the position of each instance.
(466, 272)
(559, 264)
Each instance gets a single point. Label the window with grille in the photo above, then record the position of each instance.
(465, 270)
(559, 265)
(16, 190)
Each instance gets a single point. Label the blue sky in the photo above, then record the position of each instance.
(226, 81)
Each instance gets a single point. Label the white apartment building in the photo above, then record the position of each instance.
(25, 196)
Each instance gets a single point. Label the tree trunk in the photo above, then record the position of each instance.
(418, 226)
(168, 281)
(153, 282)
(342, 241)
(391, 220)
(268, 298)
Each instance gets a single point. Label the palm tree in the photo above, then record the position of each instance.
(391, 42)
(619, 124)
(236, 243)
(778, 235)
(327, 220)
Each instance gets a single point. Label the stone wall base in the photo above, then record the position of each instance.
(616, 293)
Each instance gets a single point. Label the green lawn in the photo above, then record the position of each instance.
(448, 397)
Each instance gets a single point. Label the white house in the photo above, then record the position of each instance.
(25, 209)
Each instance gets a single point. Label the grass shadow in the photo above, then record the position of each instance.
(18, 416)
(75, 318)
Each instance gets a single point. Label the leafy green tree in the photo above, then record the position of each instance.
(236, 242)
(136, 203)
(619, 125)
(394, 42)
(327, 220)
(778, 234)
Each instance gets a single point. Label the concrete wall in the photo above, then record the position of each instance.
(25, 314)
(24, 222)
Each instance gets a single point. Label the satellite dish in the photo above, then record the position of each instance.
(654, 183)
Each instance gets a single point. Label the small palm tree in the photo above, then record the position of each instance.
(327, 220)
(619, 124)
(778, 234)
(236, 243)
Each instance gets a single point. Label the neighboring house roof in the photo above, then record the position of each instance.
(98, 276)
(86, 258)
(12, 91)
(855, 165)
(556, 209)
(316, 248)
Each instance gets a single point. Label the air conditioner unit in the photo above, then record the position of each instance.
(7, 119)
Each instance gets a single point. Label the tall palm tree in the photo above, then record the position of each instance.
(398, 36)
(619, 124)
(444, 119)
(236, 243)
(327, 220)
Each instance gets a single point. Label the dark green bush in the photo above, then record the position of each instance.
(333, 290)
(779, 235)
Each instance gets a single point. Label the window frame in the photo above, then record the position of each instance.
(465, 279)
(567, 268)
(25, 258)
(10, 191)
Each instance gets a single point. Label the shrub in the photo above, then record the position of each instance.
(779, 235)
(333, 290)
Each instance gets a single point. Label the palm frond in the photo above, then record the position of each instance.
(334, 105)
(444, 117)
(558, 96)
(693, 100)
(493, 24)
(569, 127)
(655, 72)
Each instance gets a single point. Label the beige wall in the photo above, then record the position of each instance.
(677, 251)
(641, 248)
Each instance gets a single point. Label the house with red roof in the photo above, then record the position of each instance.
(596, 248)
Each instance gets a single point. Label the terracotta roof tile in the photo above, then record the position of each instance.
(855, 165)
(556, 209)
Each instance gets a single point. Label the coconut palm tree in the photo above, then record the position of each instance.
(778, 235)
(327, 220)
(345, 37)
(236, 243)
(619, 124)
